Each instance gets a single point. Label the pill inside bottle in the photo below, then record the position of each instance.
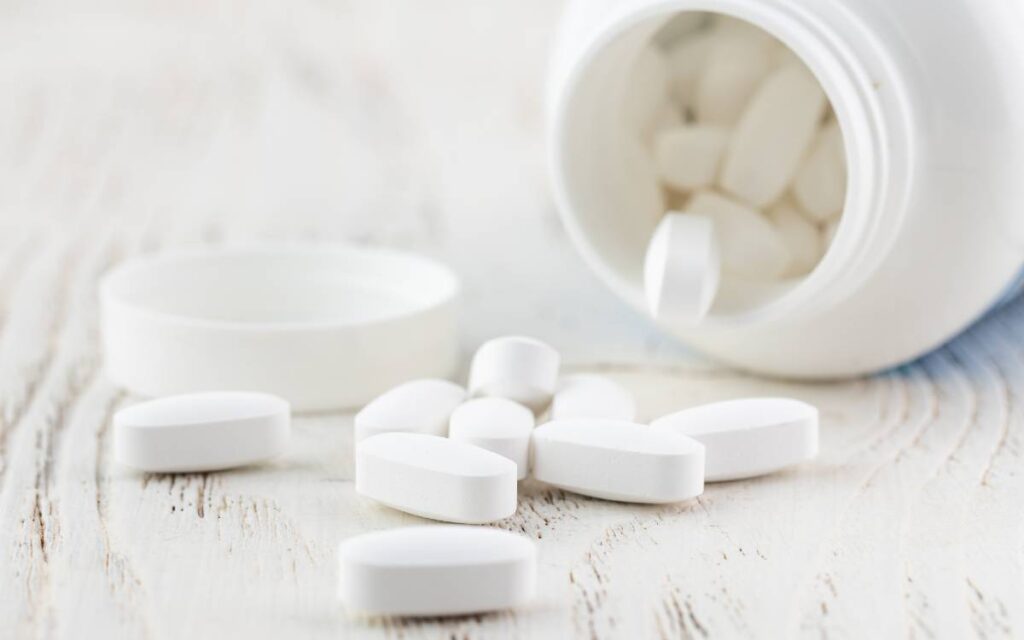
(708, 115)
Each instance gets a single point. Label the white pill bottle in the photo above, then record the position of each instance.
(929, 97)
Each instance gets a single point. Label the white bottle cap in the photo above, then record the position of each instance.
(325, 327)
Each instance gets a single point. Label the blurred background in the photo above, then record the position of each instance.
(412, 124)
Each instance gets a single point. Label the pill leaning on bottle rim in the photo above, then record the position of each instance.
(592, 396)
(498, 425)
(682, 268)
(201, 431)
(521, 369)
(435, 477)
(618, 460)
(749, 437)
(438, 570)
(417, 406)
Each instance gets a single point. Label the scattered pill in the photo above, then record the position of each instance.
(750, 246)
(201, 431)
(801, 238)
(735, 68)
(688, 157)
(437, 570)
(820, 184)
(682, 268)
(435, 477)
(592, 396)
(521, 369)
(498, 425)
(773, 135)
(419, 406)
(749, 437)
(618, 460)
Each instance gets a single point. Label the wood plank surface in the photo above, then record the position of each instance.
(127, 128)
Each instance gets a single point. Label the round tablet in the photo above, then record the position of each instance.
(201, 431)
(521, 369)
(749, 437)
(682, 268)
(592, 396)
(417, 406)
(498, 425)
(436, 571)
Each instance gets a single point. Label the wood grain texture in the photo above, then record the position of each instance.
(128, 128)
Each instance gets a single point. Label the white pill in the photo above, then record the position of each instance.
(773, 136)
(618, 460)
(646, 88)
(668, 117)
(750, 245)
(686, 61)
(749, 437)
(801, 237)
(733, 71)
(521, 369)
(592, 396)
(201, 431)
(688, 157)
(437, 570)
(682, 268)
(419, 406)
(820, 185)
(498, 425)
(437, 478)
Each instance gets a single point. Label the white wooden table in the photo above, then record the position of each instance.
(127, 129)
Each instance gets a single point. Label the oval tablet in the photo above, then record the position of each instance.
(591, 396)
(201, 431)
(749, 437)
(618, 460)
(436, 571)
(419, 406)
(498, 425)
(750, 245)
(436, 478)
(521, 369)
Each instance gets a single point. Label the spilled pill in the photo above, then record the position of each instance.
(438, 570)
(436, 478)
(419, 406)
(201, 431)
(498, 425)
(592, 396)
(682, 268)
(749, 437)
(524, 370)
(618, 460)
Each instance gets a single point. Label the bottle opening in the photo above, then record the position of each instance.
(705, 114)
